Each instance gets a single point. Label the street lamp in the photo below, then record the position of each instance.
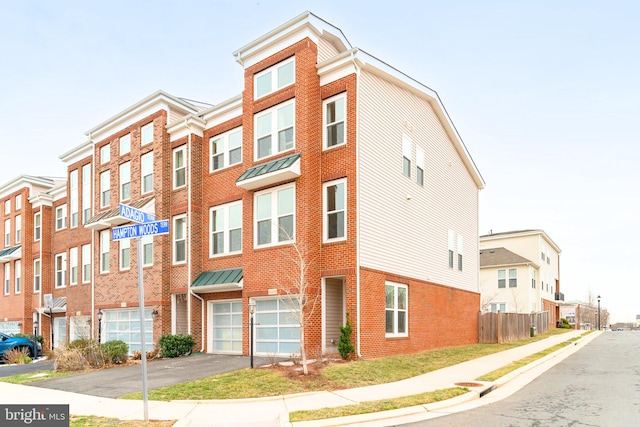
(35, 336)
(100, 313)
(598, 312)
(252, 310)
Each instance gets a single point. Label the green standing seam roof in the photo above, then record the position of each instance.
(218, 277)
(269, 167)
(9, 251)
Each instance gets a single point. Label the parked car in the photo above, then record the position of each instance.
(8, 342)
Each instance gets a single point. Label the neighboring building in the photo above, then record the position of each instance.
(637, 320)
(520, 273)
(328, 150)
(572, 312)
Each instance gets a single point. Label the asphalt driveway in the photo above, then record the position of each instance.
(121, 380)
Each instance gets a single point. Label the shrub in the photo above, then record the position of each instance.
(115, 351)
(176, 345)
(69, 360)
(565, 324)
(345, 346)
(18, 355)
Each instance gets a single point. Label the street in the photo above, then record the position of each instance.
(597, 386)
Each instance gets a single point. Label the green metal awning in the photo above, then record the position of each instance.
(229, 279)
(279, 170)
(10, 254)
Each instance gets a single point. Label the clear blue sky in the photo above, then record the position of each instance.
(544, 94)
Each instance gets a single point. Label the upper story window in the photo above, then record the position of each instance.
(37, 275)
(61, 270)
(406, 155)
(19, 202)
(460, 247)
(146, 134)
(451, 243)
(7, 278)
(105, 188)
(7, 232)
(125, 181)
(61, 217)
(37, 226)
(18, 228)
(125, 254)
(335, 210)
(274, 130)
(146, 168)
(420, 166)
(105, 154)
(18, 269)
(396, 310)
(274, 215)
(73, 266)
(86, 193)
(73, 198)
(147, 250)
(533, 277)
(86, 263)
(125, 144)
(179, 239)
(334, 119)
(105, 244)
(226, 229)
(513, 278)
(7, 207)
(179, 167)
(226, 149)
(275, 77)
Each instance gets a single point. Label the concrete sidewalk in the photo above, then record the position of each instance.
(274, 411)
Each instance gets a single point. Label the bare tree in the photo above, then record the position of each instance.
(301, 298)
(485, 304)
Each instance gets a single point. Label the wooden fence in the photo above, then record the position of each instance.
(508, 327)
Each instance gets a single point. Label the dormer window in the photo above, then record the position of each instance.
(274, 78)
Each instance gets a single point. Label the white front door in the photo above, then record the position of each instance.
(59, 331)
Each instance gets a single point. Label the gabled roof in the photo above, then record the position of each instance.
(499, 257)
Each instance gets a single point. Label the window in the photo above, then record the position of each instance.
(533, 278)
(105, 188)
(7, 232)
(18, 228)
(513, 278)
(334, 121)
(542, 255)
(146, 134)
(460, 244)
(37, 226)
(73, 266)
(73, 198)
(396, 305)
(86, 263)
(18, 202)
(146, 166)
(179, 239)
(61, 217)
(7, 207)
(498, 307)
(86, 193)
(61, 270)
(105, 154)
(275, 77)
(226, 229)
(502, 278)
(125, 144)
(419, 166)
(37, 274)
(226, 149)
(274, 130)
(406, 155)
(147, 250)
(179, 167)
(125, 252)
(125, 181)
(18, 269)
(335, 210)
(7, 278)
(274, 216)
(104, 251)
(451, 241)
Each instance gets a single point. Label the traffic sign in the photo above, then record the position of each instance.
(136, 215)
(138, 230)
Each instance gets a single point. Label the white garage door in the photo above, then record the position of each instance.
(277, 331)
(226, 327)
(124, 325)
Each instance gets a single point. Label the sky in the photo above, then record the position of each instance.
(544, 95)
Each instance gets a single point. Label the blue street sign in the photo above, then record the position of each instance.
(135, 215)
(139, 230)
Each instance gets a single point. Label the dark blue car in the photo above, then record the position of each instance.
(7, 342)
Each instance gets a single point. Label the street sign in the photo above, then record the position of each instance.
(138, 230)
(135, 215)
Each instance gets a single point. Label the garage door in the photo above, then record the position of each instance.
(124, 325)
(226, 327)
(277, 331)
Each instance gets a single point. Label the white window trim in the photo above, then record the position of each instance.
(142, 132)
(7, 232)
(86, 260)
(143, 175)
(7, 278)
(124, 245)
(7, 206)
(174, 240)
(124, 179)
(73, 198)
(274, 77)
(105, 187)
(105, 154)
(63, 217)
(37, 274)
(397, 334)
(73, 263)
(225, 230)
(226, 153)
(105, 248)
(125, 138)
(175, 170)
(274, 217)
(18, 202)
(147, 240)
(18, 230)
(325, 213)
(37, 226)
(86, 193)
(17, 267)
(274, 129)
(407, 148)
(325, 125)
(63, 277)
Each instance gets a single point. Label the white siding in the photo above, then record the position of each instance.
(410, 236)
(325, 50)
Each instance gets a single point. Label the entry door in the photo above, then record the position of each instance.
(59, 331)
(333, 311)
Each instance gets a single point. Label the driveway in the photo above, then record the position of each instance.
(121, 380)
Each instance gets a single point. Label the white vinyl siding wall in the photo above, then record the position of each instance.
(447, 200)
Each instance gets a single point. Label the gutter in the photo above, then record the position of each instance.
(358, 329)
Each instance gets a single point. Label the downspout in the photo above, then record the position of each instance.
(358, 323)
(93, 243)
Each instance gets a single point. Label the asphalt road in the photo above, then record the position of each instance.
(121, 380)
(597, 386)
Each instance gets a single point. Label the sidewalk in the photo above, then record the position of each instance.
(274, 411)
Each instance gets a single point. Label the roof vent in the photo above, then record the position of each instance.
(491, 251)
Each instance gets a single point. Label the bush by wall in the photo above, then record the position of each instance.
(345, 346)
(176, 345)
(115, 351)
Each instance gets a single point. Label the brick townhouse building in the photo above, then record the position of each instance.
(327, 150)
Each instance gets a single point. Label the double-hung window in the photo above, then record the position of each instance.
(105, 154)
(105, 243)
(146, 168)
(334, 119)
(335, 210)
(125, 254)
(274, 216)
(86, 263)
(146, 134)
(275, 77)
(179, 167)
(147, 250)
(460, 247)
(73, 198)
(61, 270)
(105, 188)
(18, 202)
(125, 144)
(226, 149)
(37, 275)
(86, 193)
(406, 155)
(73, 266)
(451, 242)
(513, 278)
(18, 269)
(179, 239)
(396, 309)
(7, 232)
(226, 229)
(502, 279)
(7, 207)
(18, 228)
(420, 166)
(37, 226)
(7, 278)
(61, 217)
(125, 181)
(274, 130)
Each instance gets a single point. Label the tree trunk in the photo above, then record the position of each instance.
(303, 353)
